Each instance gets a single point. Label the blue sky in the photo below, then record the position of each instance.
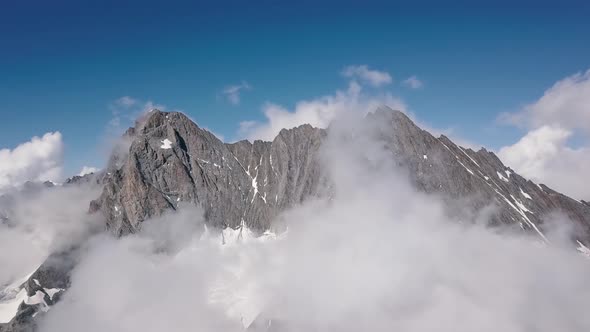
(64, 63)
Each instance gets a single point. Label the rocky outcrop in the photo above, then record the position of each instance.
(167, 161)
(470, 182)
(172, 161)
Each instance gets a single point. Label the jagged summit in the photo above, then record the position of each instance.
(386, 112)
(166, 162)
(171, 161)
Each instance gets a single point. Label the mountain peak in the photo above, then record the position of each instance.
(169, 163)
(388, 112)
(173, 161)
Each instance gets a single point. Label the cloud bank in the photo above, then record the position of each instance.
(88, 170)
(566, 104)
(40, 159)
(545, 154)
(318, 112)
(40, 222)
(377, 256)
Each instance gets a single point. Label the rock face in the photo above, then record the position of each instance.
(169, 161)
(172, 161)
(474, 181)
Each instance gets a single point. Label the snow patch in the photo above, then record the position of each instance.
(255, 186)
(468, 156)
(520, 205)
(12, 296)
(523, 215)
(468, 170)
(237, 296)
(166, 144)
(9, 307)
(243, 234)
(52, 291)
(502, 177)
(583, 249)
(264, 197)
(38, 298)
(525, 194)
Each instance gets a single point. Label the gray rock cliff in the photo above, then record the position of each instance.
(167, 161)
(172, 161)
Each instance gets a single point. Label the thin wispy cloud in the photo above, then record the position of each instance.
(365, 74)
(413, 82)
(126, 109)
(232, 93)
(377, 248)
(126, 101)
(566, 103)
(88, 170)
(318, 112)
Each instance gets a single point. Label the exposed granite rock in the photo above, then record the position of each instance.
(473, 180)
(171, 160)
(167, 159)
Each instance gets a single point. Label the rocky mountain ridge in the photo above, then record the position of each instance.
(170, 162)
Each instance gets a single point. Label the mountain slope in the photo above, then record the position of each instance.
(465, 178)
(171, 162)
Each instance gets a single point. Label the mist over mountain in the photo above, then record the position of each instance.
(370, 224)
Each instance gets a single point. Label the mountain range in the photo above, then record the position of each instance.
(166, 162)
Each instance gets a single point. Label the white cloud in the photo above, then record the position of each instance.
(363, 73)
(43, 222)
(566, 104)
(126, 101)
(545, 154)
(150, 106)
(126, 110)
(232, 92)
(40, 159)
(413, 82)
(377, 256)
(317, 112)
(88, 170)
